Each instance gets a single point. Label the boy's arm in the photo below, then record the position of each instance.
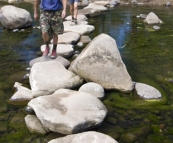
(36, 4)
(64, 2)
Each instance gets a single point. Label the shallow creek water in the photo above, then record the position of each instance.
(146, 53)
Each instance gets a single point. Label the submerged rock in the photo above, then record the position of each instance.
(155, 27)
(146, 91)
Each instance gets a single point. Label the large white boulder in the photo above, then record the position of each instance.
(67, 111)
(101, 62)
(85, 137)
(51, 76)
(152, 18)
(13, 17)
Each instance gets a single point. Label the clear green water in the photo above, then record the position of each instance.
(147, 55)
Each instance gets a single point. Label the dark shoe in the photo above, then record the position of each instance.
(46, 51)
(72, 19)
(75, 20)
(54, 54)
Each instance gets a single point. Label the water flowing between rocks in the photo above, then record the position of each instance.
(147, 54)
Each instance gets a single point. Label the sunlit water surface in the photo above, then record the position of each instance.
(146, 53)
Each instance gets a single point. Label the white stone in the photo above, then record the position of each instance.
(80, 29)
(85, 137)
(68, 38)
(91, 12)
(12, 17)
(96, 7)
(34, 125)
(51, 76)
(22, 94)
(69, 23)
(64, 50)
(147, 92)
(156, 27)
(85, 39)
(68, 111)
(80, 44)
(94, 89)
(60, 59)
(80, 17)
(102, 64)
(152, 18)
(103, 3)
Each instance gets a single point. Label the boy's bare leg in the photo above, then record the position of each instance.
(45, 37)
(55, 41)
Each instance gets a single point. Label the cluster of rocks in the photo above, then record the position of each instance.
(151, 19)
(147, 2)
(56, 105)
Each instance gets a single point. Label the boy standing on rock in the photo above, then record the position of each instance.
(74, 10)
(51, 14)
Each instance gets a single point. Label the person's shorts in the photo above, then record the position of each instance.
(72, 1)
(51, 21)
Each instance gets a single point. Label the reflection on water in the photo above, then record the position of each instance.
(146, 53)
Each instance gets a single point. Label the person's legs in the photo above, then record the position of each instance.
(44, 28)
(75, 5)
(45, 37)
(75, 11)
(55, 41)
(57, 27)
(72, 11)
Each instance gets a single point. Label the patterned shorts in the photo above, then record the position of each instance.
(51, 21)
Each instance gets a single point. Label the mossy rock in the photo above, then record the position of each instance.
(116, 135)
(112, 120)
(136, 134)
(129, 138)
(17, 121)
(158, 139)
(152, 118)
(156, 129)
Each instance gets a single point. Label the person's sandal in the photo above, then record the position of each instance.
(46, 52)
(54, 54)
(75, 20)
(72, 19)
